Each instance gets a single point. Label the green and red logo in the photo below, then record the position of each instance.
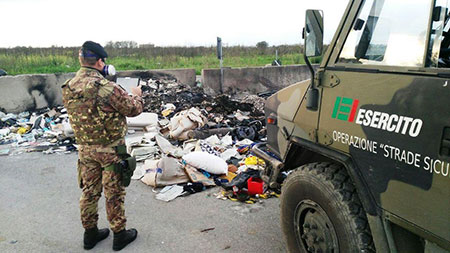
(345, 108)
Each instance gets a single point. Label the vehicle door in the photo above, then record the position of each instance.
(385, 102)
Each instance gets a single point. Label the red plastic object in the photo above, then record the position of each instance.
(255, 186)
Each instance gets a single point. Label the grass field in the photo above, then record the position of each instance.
(62, 60)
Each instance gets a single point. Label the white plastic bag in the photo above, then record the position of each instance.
(207, 162)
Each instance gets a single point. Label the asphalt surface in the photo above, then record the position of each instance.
(39, 213)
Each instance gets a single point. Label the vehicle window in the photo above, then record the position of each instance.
(388, 32)
(438, 55)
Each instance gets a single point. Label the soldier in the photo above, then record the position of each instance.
(97, 109)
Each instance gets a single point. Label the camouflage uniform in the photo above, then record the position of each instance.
(97, 109)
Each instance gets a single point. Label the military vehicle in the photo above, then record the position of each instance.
(366, 141)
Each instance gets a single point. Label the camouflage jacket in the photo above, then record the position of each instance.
(98, 108)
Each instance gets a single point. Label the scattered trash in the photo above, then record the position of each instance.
(245, 198)
(143, 120)
(240, 181)
(207, 162)
(169, 193)
(185, 121)
(171, 172)
(185, 141)
(143, 153)
(206, 230)
(4, 151)
(47, 131)
(194, 187)
(232, 168)
(255, 186)
(168, 109)
(197, 177)
(4, 132)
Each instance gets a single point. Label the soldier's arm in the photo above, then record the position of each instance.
(120, 100)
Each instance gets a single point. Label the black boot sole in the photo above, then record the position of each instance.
(88, 247)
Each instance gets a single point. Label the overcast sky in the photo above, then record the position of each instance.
(43, 23)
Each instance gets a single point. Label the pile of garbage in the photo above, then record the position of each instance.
(244, 116)
(185, 141)
(46, 131)
(188, 141)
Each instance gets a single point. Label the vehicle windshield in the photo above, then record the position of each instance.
(439, 47)
(390, 32)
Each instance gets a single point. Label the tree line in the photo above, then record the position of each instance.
(132, 49)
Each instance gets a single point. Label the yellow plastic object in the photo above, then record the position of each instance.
(263, 196)
(22, 130)
(229, 177)
(233, 199)
(253, 160)
(166, 112)
(275, 194)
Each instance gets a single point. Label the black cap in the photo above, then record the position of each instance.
(95, 48)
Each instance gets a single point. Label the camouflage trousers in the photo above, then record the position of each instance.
(92, 178)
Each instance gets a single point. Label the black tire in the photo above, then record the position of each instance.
(321, 211)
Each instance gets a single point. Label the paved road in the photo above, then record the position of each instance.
(39, 213)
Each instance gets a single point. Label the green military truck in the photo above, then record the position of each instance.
(366, 140)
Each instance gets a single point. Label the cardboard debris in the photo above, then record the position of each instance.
(197, 177)
(171, 172)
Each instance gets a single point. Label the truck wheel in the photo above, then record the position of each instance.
(321, 211)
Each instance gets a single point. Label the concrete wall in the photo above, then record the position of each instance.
(253, 80)
(32, 92)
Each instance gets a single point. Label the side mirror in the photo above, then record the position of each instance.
(313, 33)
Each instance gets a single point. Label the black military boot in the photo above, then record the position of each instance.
(123, 238)
(93, 235)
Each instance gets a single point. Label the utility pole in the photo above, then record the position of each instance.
(220, 57)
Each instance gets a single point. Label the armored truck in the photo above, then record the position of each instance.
(365, 143)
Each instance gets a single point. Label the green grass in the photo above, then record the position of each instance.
(34, 64)
(16, 64)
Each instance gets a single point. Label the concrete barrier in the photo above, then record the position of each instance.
(253, 80)
(33, 92)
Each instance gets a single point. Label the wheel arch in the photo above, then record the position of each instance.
(302, 152)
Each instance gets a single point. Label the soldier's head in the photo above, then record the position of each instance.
(92, 54)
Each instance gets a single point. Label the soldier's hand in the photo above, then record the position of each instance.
(137, 91)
